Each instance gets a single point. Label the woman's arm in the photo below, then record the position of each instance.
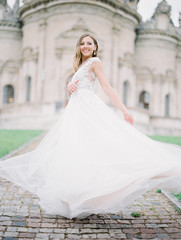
(109, 91)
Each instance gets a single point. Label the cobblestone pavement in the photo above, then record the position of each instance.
(22, 218)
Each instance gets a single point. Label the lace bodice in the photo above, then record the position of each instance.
(87, 78)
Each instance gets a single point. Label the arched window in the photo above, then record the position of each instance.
(8, 94)
(144, 100)
(28, 88)
(167, 105)
(125, 92)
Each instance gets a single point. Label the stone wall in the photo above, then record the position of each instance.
(139, 58)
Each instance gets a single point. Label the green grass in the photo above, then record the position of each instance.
(177, 210)
(135, 214)
(177, 195)
(12, 139)
(167, 139)
(152, 208)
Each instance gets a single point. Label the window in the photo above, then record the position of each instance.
(8, 94)
(144, 100)
(125, 92)
(167, 105)
(28, 88)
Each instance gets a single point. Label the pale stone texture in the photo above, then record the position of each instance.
(37, 42)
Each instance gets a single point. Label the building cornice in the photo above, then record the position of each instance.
(159, 33)
(9, 23)
(115, 4)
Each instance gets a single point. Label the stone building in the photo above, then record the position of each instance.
(142, 60)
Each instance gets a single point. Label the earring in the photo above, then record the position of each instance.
(94, 53)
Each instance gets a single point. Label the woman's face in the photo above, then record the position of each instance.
(87, 47)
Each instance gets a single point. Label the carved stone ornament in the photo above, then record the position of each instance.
(127, 60)
(163, 7)
(59, 53)
(65, 42)
(9, 17)
(16, 8)
(28, 54)
(9, 66)
(151, 26)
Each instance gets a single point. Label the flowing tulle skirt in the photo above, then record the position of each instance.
(92, 161)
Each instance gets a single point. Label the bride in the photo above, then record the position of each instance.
(92, 161)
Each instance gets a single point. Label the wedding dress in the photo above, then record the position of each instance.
(92, 161)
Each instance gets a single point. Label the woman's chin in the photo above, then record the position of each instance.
(87, 55)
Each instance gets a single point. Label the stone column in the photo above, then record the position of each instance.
(178, 79)
(42, 59)
(114, 58)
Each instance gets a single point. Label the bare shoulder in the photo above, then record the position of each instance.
(96, 63)
(95, 59)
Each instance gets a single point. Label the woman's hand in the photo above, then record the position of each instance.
(128, 117)
(72, 86)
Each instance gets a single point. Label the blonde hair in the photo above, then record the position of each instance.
(77, 60)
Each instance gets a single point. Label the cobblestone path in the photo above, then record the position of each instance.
(22, 218)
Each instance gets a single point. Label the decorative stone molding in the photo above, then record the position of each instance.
(59, 53)
(9, 23)
(9, 17)
(42, 26)
(178, 56)
(116, 28)
(66, 39)
(10, 65)
(80, 25)
(28, 54)
(144, 74)
(15, 9)
(132, 3)
(162, 79)
(168, 38)
(114, 5)
(163, 8)
(3, 13)
(170, 73)
(151, 26)
(144, 71)
(167, 79)
(127, 60)
(65, 42)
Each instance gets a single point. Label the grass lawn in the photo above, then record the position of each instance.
(178, 195)
(168, 139)
(12, 139)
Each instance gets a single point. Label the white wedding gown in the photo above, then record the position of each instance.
(91, 160)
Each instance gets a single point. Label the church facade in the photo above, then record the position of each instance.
(142, 60)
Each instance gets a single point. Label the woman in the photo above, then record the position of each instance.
(87, 47)
(92, 161)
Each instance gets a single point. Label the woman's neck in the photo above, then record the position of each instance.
(85, 59)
